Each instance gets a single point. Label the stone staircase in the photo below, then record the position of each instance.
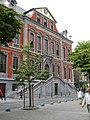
(51, 87)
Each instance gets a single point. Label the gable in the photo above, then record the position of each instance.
(42, 10)
(46, 13)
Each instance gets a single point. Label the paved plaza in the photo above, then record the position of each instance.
(70, 110)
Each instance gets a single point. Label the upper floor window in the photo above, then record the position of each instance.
(52, 48)
(38, 18)
(39, 43)
(15, 62)
(53, 70)
(46, 45)
(64, 53)
(69, 73)
(58, 70)
(3, 63)
(45, 22)
(51, 25)
(32, 40)
(17, 40)
(57, 50)
(69, 54)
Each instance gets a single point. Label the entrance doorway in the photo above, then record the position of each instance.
(56, 88)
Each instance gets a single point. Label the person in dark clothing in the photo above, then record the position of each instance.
(1, 94)
(21, 94)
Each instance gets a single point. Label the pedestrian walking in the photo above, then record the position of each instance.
(1, 94)
(21, 94)
(86, 101)
(80, 95)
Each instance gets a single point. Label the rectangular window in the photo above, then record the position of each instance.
(53, 70)
(3, 63)
(45, 22)
(58, 70)
(68, 54)
(64, 72)
(64, 53)
(52, 48)
(17, 40)
(38, 18)
(57, 50)
(32, 41)
(39, 67)
(15, 62)
(46, 46)
(51, 25)
(39, 44)
(69, 73)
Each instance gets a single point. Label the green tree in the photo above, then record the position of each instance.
(29, 70)
(81, 57)
(9, 25)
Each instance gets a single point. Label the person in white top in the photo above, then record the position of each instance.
(86, 101)
(80, 95)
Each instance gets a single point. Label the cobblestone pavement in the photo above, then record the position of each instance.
(70, 110)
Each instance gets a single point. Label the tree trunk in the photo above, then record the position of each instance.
(29, 94)
(24, 95)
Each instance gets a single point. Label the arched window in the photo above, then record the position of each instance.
(57, 50)
(46, 44)
(32, 36)
(39, 42)
(47, 67)
(64, 72)
(52, 48)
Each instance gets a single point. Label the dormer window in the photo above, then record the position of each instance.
(45, 22)
(38, 18)
(51, 25)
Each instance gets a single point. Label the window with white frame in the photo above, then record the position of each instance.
(69, 71)
(51, 25)
(38, 18)
(57, 50)
(58, 70)
(68, 54)
(17, 40)
(64, 53)
(3, 63)
(31, 41)
(39, 42)
(15, 62)
(52, 48)
(40, 67)
(53, 70)
(64, 72)
(45, 22)
(46, 45)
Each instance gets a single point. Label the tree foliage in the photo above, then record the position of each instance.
(29, 69)
(81, 57)
(9, 25)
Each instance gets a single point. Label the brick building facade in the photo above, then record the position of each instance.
(39, 27)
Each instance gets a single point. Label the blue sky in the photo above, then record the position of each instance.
(73, 15)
